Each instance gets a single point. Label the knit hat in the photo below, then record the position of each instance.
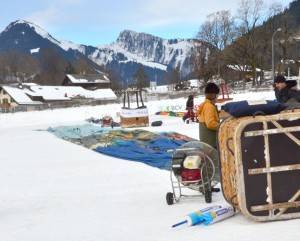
(211, 88)
(279, 79)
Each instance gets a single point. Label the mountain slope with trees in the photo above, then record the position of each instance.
(51, 59)
(244, 40)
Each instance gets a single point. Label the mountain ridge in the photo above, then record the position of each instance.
(130, 51)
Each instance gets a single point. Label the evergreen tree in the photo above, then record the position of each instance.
(174, 78)
(115, 79)
(141, 78)
(70, 69)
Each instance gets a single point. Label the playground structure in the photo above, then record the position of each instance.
(224, 92)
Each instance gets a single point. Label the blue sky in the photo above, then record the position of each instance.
(98, 22)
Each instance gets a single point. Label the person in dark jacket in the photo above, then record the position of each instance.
(190, 109)
(190, 102)
(284, 90)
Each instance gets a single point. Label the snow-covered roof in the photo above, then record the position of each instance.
(196, 82)
(69, 92)
(30, 84)
(297, 37)
(241, 67)
(19, 95)
(56, 93)
(49, 93)
(158, 89)
(87, 79)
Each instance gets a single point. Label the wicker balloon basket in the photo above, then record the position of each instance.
(260, 165)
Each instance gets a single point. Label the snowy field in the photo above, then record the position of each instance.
(53, 190)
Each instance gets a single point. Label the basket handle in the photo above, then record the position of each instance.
(233, 202)
(228, 147)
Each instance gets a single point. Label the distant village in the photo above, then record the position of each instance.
(95, 89)
(74, 90)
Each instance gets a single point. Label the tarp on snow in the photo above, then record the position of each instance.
(135, 145)
(76, 132)
(170, 113)
(154, 153)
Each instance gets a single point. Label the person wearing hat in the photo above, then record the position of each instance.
(284, 90)
(208, 117)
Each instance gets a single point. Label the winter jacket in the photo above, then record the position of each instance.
(190, 104)
(208, 117)
(287, 94)
(207, 113)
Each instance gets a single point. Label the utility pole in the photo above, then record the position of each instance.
(273, 68)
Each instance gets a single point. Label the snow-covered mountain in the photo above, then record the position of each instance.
(27, 37)
(130, 51)
(150, 51)
(156, 55)
(172, 53)
(28, 28)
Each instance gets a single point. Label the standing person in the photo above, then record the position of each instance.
(208, 116)
(190, 109)
(284, 90)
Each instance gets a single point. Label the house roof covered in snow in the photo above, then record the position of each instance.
(88, 79)
(245, 68)
(297, 36)
(24, 94)
(19, 95)
(69, 92)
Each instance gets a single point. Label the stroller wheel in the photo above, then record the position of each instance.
(207, 196)
(215, 189)
(170, 198)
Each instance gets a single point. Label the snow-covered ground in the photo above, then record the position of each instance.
(53, 190)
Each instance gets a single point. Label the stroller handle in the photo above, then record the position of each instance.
(184, 149)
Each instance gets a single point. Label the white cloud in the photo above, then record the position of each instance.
(59, 12)
(46, 17)
(98, 17)
(158, 12)
(148, 13)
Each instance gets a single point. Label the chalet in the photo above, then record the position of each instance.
(242, 72)
(91, 81)
(32, 95)
(11, 97)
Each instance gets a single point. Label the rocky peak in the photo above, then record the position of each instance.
(21, 27)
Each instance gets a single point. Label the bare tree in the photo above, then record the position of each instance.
(274, 9)
(245, 50)
(250, 14)
(81, 66)
(219, 31)
(52, 68)
(17, 66)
